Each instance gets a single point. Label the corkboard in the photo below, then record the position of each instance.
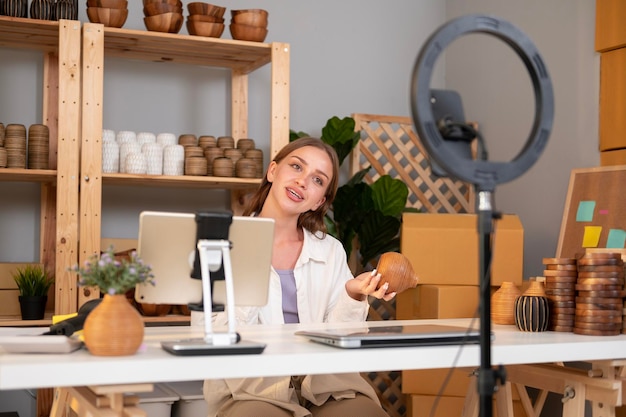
(595, 211)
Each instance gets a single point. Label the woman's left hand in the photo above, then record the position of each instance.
(365, 284)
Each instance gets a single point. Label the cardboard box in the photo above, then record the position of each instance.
(438, 302)
(613, 157)
(443, 248)
(422, 406)
(430, 381)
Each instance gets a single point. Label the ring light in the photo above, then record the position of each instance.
(484, 174)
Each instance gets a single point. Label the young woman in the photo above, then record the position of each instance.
(310, 283)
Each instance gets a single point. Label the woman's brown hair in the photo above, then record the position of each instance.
(313, 221)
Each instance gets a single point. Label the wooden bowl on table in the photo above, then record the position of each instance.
(114, 18)
(247, 33)
(165, 22)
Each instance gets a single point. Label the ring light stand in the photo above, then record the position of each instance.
(483, 174)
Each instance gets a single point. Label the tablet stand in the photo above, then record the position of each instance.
(213, 254)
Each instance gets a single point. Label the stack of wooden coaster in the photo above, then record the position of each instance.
(560, 284)
(38, 146)
(600, 294)
(15, 145)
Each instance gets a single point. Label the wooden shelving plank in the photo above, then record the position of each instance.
(22, 33)
(28, 175)
(180, 181)
(187, 49)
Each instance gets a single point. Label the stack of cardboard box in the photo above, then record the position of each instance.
(443, 250)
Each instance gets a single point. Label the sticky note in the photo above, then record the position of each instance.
(585, 211)
(592, 236)
(616, 239)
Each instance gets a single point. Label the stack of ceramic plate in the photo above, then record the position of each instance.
(600, 294)
(126, 149)
(245, 168)
(173, 160)
(226, 142)
(245, 143)
(188, 139)
(15, 144)
(196, 165)
(110, 156)
(211, 154)
(223, 167)
(560, 286)
(207, 141)
(136, 162)
(166, 139)
(154, 158)
(38, 146)
(257, 156)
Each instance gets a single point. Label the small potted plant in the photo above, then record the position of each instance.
(33, 283)
(114, 327)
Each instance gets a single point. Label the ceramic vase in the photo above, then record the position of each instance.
(66, 9)
(15, 8)
(531, 309)
(396, 269)
(503, 303)
(41, 9)
(113, 328)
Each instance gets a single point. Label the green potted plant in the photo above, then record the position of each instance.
(368, 214)
(33, 283)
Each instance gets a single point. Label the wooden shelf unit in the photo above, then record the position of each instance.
(240, 57)
(59, 42)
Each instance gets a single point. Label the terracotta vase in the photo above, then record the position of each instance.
(396, 269)
(503, 303)
(531, 309)
(113, 328)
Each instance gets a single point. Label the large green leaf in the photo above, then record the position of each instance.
(377, 234)
(389, 195)
(340, 134)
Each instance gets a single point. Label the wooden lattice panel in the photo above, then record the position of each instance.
(391, 146)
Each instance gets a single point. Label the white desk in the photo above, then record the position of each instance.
(287, 354)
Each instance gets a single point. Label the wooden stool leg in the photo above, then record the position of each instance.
(574, 406)
(470, 407)
(60, 403)
(504, 401)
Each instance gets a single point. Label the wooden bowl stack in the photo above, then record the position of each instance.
(111, 13)
(249, 24)
(205, 19)
(163, 15)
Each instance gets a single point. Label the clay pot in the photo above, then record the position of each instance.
(397, 270)
(503, 303)
(113, 328)
(531, 309)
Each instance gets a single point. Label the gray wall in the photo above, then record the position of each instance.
(351, 56)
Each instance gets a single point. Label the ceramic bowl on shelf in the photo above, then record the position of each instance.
(207, 9)
(152, 9)
(114, 18)
(247, 33)
(164, 22)
(254, 17)
(208, 29)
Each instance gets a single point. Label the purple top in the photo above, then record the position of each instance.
(290, 301)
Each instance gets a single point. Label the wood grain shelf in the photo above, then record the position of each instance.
(21, 33)
(186, 49)
(180, 181)
(28, 175)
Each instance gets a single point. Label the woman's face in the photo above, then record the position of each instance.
(300, 180)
